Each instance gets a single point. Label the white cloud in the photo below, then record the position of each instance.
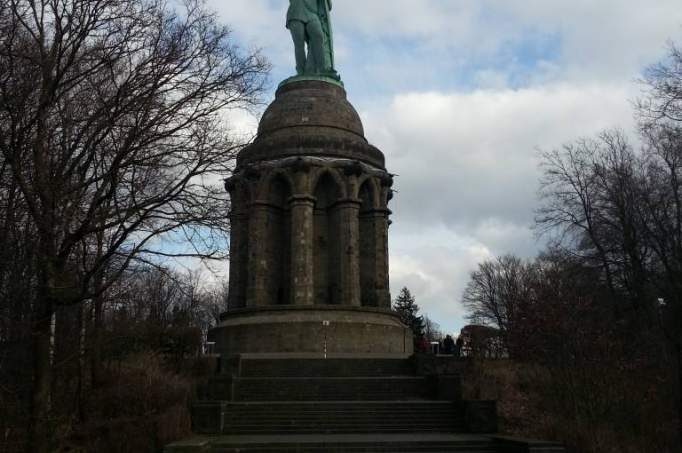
(468, 166)
(434, 263)
(466, 157)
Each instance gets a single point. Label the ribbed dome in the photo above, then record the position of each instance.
(311, 118)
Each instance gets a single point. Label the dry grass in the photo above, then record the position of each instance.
(140, 408)
(591, 411)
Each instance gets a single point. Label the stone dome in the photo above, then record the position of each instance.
(311, 118)
(311, 104)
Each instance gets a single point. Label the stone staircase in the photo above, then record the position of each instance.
(275, 404)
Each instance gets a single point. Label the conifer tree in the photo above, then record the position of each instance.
(408, 310)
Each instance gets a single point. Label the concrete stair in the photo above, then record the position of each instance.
(356, 443)
(331, 388)
(341, 417)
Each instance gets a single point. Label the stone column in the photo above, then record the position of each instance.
(349, 241)
(257, 289)
(302, 283)
(380, 223)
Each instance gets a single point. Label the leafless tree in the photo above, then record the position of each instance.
(662, 83)
(113, 133)
(618, 209)
(592, 199)
(432, 330)
(497, 291)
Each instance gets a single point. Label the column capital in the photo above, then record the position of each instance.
(302, 199)
(349, 202)
(259, 204)
(378, 212)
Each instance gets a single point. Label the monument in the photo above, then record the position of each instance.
(309, 219)
(312, 358)
(310, 25)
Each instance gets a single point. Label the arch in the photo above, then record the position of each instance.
(264, 186)
(368, 243)
(326, 247)
(373, 190)
(334, 175)
(278, 239)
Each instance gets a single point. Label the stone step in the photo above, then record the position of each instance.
(347, 367)
(360, 448)
(327, 417)
(347, 443)
(331, 389)
(377, 442)
(335, 430)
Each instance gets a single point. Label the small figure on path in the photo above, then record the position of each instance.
(448, 345)
(459, 344)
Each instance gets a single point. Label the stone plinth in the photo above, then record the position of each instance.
(302, 330)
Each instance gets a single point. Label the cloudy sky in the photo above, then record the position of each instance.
(460, 95)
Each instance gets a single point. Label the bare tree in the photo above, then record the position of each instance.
(618, 210)
(432, 330)
(112, 128)
(591, 196)
(662, 82)
(497, 292)
(660, 112)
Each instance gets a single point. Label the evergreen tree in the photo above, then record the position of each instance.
(408, 310)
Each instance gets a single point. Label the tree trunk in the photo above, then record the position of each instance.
(96, 352)
(97, 321)
(679, 392)
(80, 367)
(41, 339)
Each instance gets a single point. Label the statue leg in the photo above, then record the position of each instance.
(297, 29)
(316, 45)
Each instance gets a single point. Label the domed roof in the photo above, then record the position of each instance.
(311, 104)
(311, 118)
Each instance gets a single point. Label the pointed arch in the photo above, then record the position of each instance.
(333, 176)
(368, 186)
(263, 190)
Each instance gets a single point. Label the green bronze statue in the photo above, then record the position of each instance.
(311, 28)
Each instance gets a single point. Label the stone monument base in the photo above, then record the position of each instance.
(311, 330)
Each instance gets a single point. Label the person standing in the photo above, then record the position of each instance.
(448, 345)
(459, 345)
